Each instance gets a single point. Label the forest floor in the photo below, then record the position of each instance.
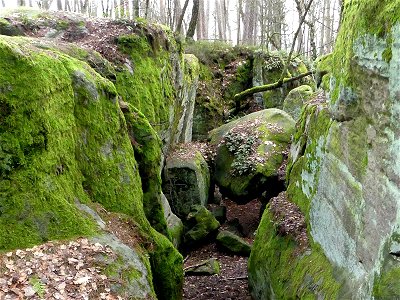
(231, 283)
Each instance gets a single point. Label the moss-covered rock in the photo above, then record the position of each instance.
(344, 171)
(64, 140)
(175, 225)
(295, 100)
(208, 267)
(186, 180)
(250, 151)
(199, 224)
(233, 243)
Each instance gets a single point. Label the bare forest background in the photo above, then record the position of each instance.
(270, 24)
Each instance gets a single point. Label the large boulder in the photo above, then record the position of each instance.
(143, 60)
(186, 179)
(344, 174)
(64, 141)
(250, 151)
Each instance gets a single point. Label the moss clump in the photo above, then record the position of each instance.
(166, 266)
(147, 146)
(309, 274)
(147, 83)
(387, 286)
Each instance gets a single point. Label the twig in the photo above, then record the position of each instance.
(186, 258)
(195, 265)
(235, 278)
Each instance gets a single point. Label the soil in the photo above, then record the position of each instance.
(232, 281)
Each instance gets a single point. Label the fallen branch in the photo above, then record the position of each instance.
(282, 80)
(275, 85)
(203, 263)
(236, 278)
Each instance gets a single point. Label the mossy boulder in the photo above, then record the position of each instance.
(343, 172)
(148, 152)
(64, 140)
(250, 151)
(199, 224)
(295, 100)
(143, 60)
(233, 243)
(175, 225)
(208, 267)
(186, 180)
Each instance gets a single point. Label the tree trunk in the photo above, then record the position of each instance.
(116, 10)
(327, 22)
(135, 9)
(21, 2)
(162, 12)
(201, 24)
(239, 15)
(193, 20)
(59, 5)
(146, 12)
(180, 21)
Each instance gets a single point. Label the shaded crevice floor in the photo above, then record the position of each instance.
(231, 283)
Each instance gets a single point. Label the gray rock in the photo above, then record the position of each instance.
(174, 224)
(200, 223)
(250, 151)
(233, 243)
(129, 265)
(186, 181)
(208, 267)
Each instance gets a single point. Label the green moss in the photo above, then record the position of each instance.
(361, 17)
(166, 265)
(387, 285)
(40, 178)
(148, 150)
(313, 127)
(148, 85)
(310, 274)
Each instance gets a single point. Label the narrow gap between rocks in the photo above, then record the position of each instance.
(232, 281)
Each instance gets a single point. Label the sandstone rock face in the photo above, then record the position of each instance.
(344, 173)
(175, 225)
(186, 180)
(250, 151)
(65, 140)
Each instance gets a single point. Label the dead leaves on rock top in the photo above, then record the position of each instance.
(56, 271)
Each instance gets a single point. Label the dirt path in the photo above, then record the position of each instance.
(231, 283)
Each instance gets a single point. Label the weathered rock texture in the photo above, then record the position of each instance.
(295, 100)
(186, 180)
(78, 129)
(250, 151)
(344, 175)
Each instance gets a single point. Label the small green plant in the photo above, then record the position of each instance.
(242, 147)
(38, 286)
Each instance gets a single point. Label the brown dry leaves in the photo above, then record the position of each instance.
(290, 220)
(56, 271)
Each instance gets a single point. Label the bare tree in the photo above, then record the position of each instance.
(202, 22)
(180, 21)
(193, 20)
